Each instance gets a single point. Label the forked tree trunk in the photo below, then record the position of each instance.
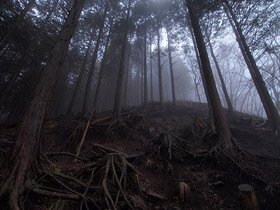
(13, 26)
(217, 109)
(118, 95)
(159, 70)
(171, 69)
(229, 104)
(269, 107)
(28, 139)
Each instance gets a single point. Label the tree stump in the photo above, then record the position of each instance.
(247, 197)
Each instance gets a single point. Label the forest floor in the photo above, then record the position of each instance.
(152, 159)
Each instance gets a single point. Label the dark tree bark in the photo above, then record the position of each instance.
(94, 58)
(145, 71)
(151, 72)
(221, 125)
(118, 95)
(197, 91)
(229, 104)
(127, 76)
(269, 107)
(171, 69)
(210, 113)
(13, 26)
(159, 70)
(79, 83)
(28, 139)
(100, 78)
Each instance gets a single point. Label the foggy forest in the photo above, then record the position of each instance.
(140, 104)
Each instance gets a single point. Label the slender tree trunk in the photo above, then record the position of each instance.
(210, 114)
(126, 80)
(14, 26)
(129, 89)
(229, 104)
(118, 95)
(145, 71)
(101, 72)
(198, 95)
(160, 70)
(151, 72)
(276, 94)
(171, 69)
(137, 88)
(28, 139)
(86, 98)
(141, 77)
(270, 109)
(196, 86)
(59, 93)
(217, 109)
(82, 73)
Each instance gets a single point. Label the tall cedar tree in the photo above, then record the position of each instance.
(171, 67)
(159, 67)
(210, 114)
(118, 95)
(228, 100)
(82, 74)
(270, 109)
(225, 138)
(101, 72)
(94, 59)
(28, 142)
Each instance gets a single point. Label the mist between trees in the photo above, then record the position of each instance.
(30, 30)
(75, 58)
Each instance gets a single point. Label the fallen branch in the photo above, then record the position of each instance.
(73, 179)
(65, 186)
(67, 154)
(84, 135)
(56, 194)
(126, 156)
(107, 118)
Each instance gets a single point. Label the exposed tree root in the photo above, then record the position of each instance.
(75, 135)
(198, 146)
(112, 170)
(218, 154)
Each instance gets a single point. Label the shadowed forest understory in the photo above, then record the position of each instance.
(154, 160)
(139, 104)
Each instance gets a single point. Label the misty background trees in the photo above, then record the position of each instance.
(164, 71)
(76, 58)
